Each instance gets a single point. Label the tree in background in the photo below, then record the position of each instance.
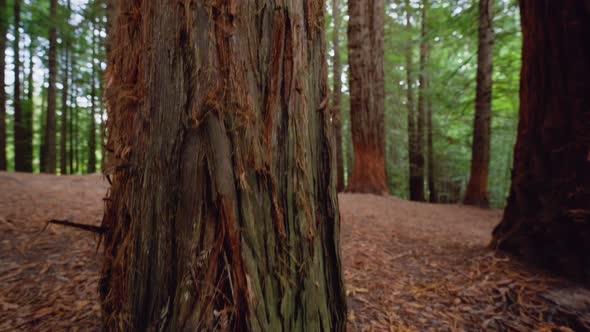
(92, 128)
(367, 95)
(3, 32)
(66, 41)
(51, 117)
(20, 163)
(477, 189)
(223, 208)
(337, 92)
(414, 159)
(547, 219)
(422, 105)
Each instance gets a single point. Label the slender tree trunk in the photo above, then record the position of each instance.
(367, 95)
(43, 117)
(3, 32)
(432, 189)
(223, 211)
(51, 121)
(28, 114)
(63, 163)
(71, 108)
(76, 133)
(416, 186)
(477, 189)
(92, 130)
(19, 128)
(547, 219)
(422, 104)
(337, 95)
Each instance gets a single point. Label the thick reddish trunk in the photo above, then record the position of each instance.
(477, 188)
(367, 95)
(547, 219)
(419, 194)
(432, 186)
(19, 125)
(223, 212)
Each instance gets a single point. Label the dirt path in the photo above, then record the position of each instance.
(408, 266)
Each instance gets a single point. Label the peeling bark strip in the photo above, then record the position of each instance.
(546, 219)
(222, 214)
(367, 95)
(477, 189)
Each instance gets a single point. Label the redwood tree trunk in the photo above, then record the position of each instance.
(367, 95)
(19, 128)
(51, 121)
(416, 182)
(547, 219)
(223, 210)
(3, 31)
(337, 94)
(422, 104)
(432, 187)
(92, 128)
(477, 189)
(63, 162)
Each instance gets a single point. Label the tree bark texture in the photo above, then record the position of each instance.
(3, 39)
(547, 219)
(337, 93)
(27, 114)
(51, 120)
(367, 95)
(223, 210)
(477, 188)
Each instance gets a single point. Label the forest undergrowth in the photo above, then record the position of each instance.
(408, 266)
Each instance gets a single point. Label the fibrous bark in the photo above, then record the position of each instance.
(367, 95)
(477, 188)
(63, 162)
(51, 120)
(337, 93)
(223, 212)
(3, 31)
(432, 186)
(547, 219)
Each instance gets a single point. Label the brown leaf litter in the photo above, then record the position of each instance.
(408, 266)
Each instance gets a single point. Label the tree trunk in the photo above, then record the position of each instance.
(433, 192)
(43, 117)
(92, 129)
(422, 104)
(51, 121)
(64, 99)
(367, 95)
(71, 130)
(28, 112)
(337, 94)
(416, 186)
(223, 210)
(3, 32)
(477, 189)
(547, 219)
(19, 128)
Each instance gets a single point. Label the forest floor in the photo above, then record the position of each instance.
(408, 266)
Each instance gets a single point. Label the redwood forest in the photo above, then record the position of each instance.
(295, 165)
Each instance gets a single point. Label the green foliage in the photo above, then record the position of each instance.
(452, 26)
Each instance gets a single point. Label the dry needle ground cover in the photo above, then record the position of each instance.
(408, 266)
